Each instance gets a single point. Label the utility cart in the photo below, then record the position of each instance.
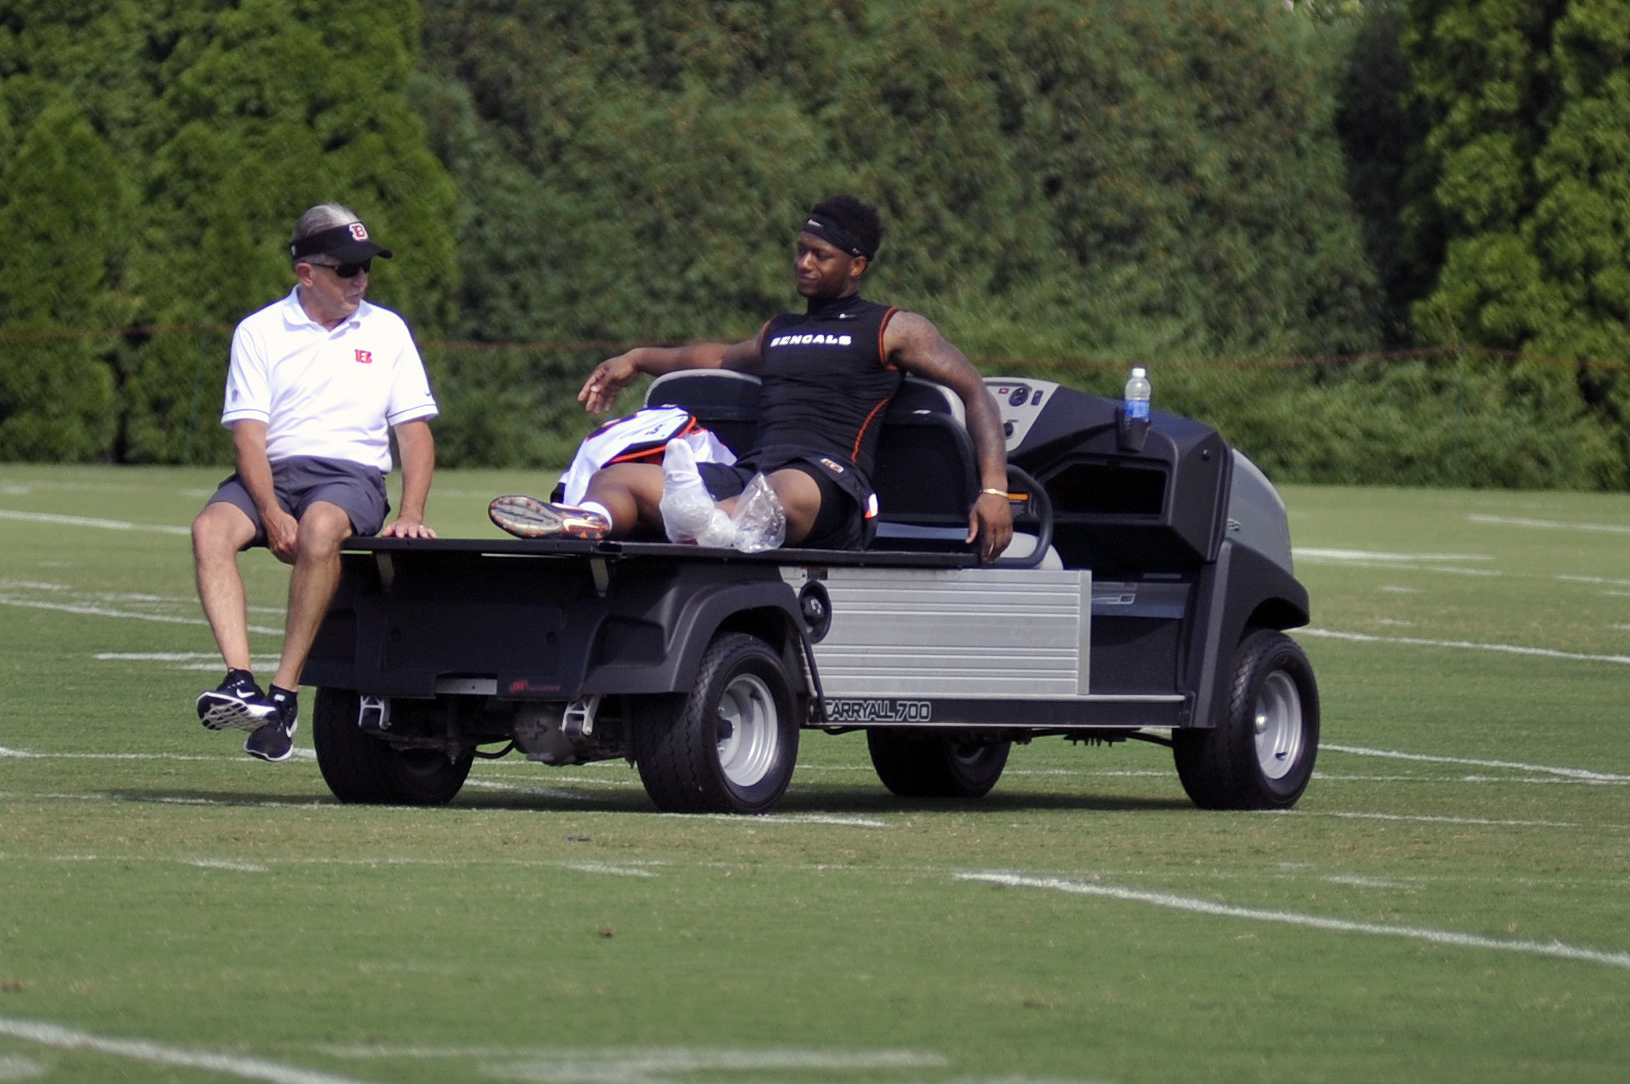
(1146, 597)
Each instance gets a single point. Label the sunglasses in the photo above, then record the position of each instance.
(346, 270)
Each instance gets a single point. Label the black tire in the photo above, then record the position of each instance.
(352, 763)
(426, 776)
(917, 765)
(730, 745)
(362, 769)
(1260, 754)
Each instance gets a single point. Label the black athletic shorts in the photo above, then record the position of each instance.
(846, 494)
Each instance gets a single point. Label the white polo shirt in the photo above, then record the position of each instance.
(326, 393)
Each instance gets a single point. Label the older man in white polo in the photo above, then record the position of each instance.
(317, 382)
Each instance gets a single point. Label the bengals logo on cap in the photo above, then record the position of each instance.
(359, 232)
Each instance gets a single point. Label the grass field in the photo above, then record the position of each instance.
(1448, 902)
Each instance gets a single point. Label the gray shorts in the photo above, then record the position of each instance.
(301, 480)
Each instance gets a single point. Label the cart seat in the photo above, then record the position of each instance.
(722, 399)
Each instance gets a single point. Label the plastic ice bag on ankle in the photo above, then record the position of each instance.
(760, 521)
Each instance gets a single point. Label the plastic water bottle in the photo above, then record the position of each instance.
(1137, 395)
(1134, 412)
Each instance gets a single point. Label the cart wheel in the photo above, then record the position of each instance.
(426, 776)
(730, 745)
(363, 769)
(915, 765)
(1260, 755)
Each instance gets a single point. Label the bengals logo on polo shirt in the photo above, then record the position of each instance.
(365, 357)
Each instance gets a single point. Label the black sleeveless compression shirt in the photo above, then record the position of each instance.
(826, 381)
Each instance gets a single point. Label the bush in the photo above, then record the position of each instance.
(169, 149)
(1522, 212)
(63, 216)
(1472, 419)
(1160, 176)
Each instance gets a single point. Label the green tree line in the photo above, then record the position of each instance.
(155, 157)
(1068, 187)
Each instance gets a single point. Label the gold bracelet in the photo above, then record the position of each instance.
(993, 492)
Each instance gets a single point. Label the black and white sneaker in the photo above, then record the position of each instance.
(236, 704)
(273, 740)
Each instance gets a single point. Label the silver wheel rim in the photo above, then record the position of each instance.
(1277, 723)
(749, 730)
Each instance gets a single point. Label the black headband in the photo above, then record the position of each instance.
(830, 231)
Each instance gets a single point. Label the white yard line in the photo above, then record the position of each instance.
(1316, 554)
(206, 662)
(634, 868)
(1394, 566)
(1607, 880)
(1454, 780)
(28, 754)
(300, 753)
(88, 521)
(788, 818)
(1198, 906)
(1451, 820)
(608, 868)
(1604, 580)
(89, 609)
(1549, 524)
(819, 818)
(658, 1065)
(1359, 880)
(1441, 563)
(529, 791)
(64, 1038)
(1464, 645)
(1425, 758)
(230, 865)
